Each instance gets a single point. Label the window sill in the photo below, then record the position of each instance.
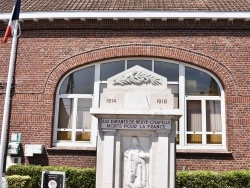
(195, 153)
(203, 151)
(75, 148)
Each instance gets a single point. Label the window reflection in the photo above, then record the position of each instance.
(147, 64)
(168, 70)
(83, 136)
(194, 138)
(79, 82)
(213, 116)
(64, 135)
(194, 117)
(200, 83)
(110, 69)
(65, 113)
(214, 139)
(83, 115)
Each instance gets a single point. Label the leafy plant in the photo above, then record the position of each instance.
(85, 178)
(209, 179)
(80, 178)
(17, 181)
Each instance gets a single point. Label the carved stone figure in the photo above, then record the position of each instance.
(135, 166)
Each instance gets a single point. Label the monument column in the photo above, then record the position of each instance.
(163, 155)
(136, 132)
(108, 158)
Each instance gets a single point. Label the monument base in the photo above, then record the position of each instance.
(135, 158)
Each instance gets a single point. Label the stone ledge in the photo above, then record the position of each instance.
(206, 153)
(76, 148)
(201, 151)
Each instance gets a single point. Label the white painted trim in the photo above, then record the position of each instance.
(76, 96)
(206, 97)
(131, 15)
(95, 103)
(223, 116)
(203, 121)
(182, 105)
(73, 119)
(201, 147)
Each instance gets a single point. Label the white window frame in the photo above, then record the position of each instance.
(94, 121)
(203, 100)
(182, 105)
(182, 122)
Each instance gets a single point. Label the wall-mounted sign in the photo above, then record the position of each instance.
(14, 148)
(53, 179)
(145, 124)
(16, 137)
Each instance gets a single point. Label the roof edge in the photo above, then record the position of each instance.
(129, 15)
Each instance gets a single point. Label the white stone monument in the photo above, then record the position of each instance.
(136, 137)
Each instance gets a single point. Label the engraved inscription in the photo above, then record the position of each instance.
(136, 124)
(161, 101)
(110, 100)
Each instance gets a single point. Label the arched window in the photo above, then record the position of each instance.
(197, 93)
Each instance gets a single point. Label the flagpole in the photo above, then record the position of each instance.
(7, 100)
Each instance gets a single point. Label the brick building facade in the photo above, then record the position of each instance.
(48, 50)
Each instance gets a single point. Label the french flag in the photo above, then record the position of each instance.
(12, 22)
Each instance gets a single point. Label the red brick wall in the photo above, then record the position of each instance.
(47, 51)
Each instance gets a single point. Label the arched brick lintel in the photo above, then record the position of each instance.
(146, 50)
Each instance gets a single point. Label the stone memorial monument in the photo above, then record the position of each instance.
(136, 133)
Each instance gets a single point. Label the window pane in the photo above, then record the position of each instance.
(194, 138)
(200, 83)
(214, 139)
(110, 69)
(147, 64)
(64, 135)
(213, 116)
(177, 139)
(194, 122)
(65, 113)
(79, 82)
(168, 70)
(82, 136)
(83, 115)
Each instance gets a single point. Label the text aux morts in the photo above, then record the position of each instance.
(135, 124)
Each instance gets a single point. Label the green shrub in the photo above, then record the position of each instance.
(237, 179)
(85, 178)
(209, 179)
(80, 178)
(17, 181)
